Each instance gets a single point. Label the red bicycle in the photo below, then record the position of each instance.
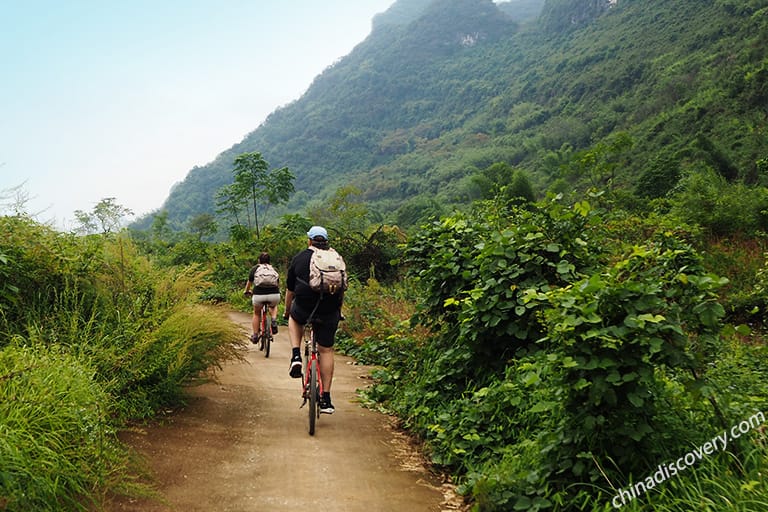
(265, 339)
(312, 388)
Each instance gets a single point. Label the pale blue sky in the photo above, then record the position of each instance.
(108, 98)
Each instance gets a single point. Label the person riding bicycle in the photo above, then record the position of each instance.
(263, 286)
(301, 301)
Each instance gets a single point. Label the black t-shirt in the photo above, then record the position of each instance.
(297, 282)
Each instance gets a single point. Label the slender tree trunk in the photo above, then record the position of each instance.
(255, 211)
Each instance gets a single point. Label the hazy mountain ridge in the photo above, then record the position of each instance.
(336, 127)
(439, 91)
(560, 15)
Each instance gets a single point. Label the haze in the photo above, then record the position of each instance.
(122, 99)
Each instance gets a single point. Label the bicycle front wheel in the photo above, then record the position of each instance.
(313, 394)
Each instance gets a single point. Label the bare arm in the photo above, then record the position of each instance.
(288, 302)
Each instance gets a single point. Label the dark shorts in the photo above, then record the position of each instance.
(324, 324)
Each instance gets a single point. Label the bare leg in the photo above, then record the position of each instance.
(326, 366)
(256, 320)
(273, 313)
(295, 330)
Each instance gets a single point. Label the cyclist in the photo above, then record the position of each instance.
(300, 302)
(263, 286)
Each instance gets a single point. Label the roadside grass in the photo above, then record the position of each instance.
(111, 342)
(722, 482)
(61, 407)
(57, 441)
(377, 326)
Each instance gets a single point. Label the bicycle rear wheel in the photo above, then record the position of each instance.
(267, 335)
(313, 393)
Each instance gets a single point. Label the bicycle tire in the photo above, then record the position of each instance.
(261, 337)
(314, 411)
(267, 335)
(262, 325)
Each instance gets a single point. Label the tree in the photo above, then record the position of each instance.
(344, 209)
(601, 163)
(106, 216)
(228, 202)
(256, 184)
(14, 199)
(160, 228)
(519, 190)
(203, 225)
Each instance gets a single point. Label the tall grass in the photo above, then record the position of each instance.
(57, 443)
(92, 335)
(186, 347)
(377, 325)
(720, 483)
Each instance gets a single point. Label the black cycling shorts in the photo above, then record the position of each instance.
(324, 324)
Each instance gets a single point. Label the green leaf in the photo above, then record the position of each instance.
(636, 400)
(651, 318)
(582, 208)
(543, 406)
(581, 384)
(523, 503)
(565, 267)
(531, 378)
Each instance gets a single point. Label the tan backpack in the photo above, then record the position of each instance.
(327, 271)
(265, 276)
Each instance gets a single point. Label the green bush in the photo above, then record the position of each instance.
(706, 198)
(92, 334)
(565, 358)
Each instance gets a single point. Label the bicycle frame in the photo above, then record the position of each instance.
(266, 330)
(312, 383)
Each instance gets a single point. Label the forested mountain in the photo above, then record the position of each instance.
(440, 91)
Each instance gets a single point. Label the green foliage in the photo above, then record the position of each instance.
(707, 199)
(660, 178)
(475, 272)
(203, 225)
(615, 334)
(713, 485)
(106, 217)
(344, 210)
(376, 329)
(92, 334)
(34, 265)
(153, 371)
(57, 447)
(571, 351)
(413, 118)
(254, 186)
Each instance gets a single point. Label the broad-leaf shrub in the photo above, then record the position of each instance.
(475, 275)
(615, 335)
(559, 355)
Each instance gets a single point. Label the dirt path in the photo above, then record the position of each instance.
(242, 445)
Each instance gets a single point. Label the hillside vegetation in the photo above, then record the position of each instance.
(418, 113)
(559, 267)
